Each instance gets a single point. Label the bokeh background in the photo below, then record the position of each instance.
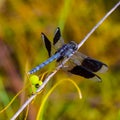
(21, 48)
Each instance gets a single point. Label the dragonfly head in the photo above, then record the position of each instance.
(73, 45)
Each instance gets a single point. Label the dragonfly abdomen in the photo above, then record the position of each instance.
(44, 63)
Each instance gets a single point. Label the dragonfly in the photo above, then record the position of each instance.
(78, 64)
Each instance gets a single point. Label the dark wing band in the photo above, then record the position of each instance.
(47, 43)
(82, 71)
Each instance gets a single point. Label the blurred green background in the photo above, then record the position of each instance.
(21, 48)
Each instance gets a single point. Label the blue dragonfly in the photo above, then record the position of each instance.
(79, 64)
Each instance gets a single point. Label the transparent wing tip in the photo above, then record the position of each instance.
(103, 69)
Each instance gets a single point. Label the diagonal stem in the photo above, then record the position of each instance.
(97, 25)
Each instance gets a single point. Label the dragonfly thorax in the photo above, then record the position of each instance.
(67, 50)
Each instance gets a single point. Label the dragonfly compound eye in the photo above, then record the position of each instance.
(74, 45)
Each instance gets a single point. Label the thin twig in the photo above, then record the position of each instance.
(54, 72)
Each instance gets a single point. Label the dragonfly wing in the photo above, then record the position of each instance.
(82, 71)
(58, 42)
(82, 65)
(47, 43)
(94, 65)
(89, 63)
